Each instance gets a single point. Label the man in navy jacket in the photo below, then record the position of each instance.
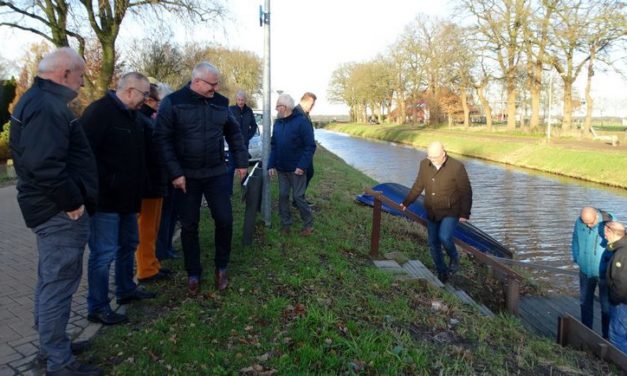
(57, 183)
(292, 149)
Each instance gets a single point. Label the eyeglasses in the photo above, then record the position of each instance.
(146, 94)
(214, 84)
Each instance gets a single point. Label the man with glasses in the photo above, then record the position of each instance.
(116, 135)
(448, 200)
(588, 250)
(617, 283)
(192, 126)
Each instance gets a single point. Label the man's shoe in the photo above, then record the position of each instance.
(443, 277)
(160, 276)
(76, 369)
(294, 204)
(138, 294)
(107, 317)
(222, 279)
(307, 231)
(454, 265)
(77, 348)
(193, 285)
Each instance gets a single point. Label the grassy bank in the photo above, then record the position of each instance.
(598, 164)
(300, 306)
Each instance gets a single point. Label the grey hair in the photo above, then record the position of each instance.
(203, 68)
(61, 59)
(241, 94)
(286, 100)
(164, 89)
(129, 77)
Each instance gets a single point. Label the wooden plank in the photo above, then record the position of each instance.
(575, 334)
(536, 315)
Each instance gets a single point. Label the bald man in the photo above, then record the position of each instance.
(448, 199)
(57, 185)
(588, 250)
(617, 283)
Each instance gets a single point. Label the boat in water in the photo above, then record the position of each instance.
(466, 231)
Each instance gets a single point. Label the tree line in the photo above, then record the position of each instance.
(436, 68)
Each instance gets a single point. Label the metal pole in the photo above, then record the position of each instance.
(548, 133)
(267, 131)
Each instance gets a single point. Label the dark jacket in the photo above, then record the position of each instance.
(157, 179)
(617, 272)
(447, 190)
(589, 246)
(116, 135)
(190, 133)
(292, 145)
(246, 120)
(55, 166)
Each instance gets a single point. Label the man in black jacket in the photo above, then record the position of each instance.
(448, 199)
(617, 283)
(116, 136)
(304, 107)
(192, 125)
(57, 183)
(244, 116)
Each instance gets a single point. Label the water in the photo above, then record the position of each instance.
(531, 213)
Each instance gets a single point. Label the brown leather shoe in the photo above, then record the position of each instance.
(193, 285)
(307, 231)
(222, 279)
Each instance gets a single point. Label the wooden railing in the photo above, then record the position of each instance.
(511, 279)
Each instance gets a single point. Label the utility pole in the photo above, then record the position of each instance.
(264, 21)
(548, 129)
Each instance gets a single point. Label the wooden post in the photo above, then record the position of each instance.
(563, 325)
(376, 226)
(512, 295)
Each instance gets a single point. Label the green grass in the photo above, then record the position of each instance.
(603, 166)
(317, 306)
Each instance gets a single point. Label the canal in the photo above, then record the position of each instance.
(531, 213)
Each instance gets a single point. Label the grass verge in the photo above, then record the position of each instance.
(597, 165)
(317, 306)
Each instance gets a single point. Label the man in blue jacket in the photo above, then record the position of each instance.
(57, 184)
(588, 250)
(291, 152)
(192, 124)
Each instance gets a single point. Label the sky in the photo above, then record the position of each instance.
(310, 39)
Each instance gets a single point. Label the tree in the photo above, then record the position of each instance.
(50, 19)
(341, 90)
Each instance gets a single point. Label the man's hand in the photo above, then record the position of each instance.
(299, 171)
(272, 172)
(403, 207)
(179, 183)
(242, 173)
(462, 219)
(76, 213)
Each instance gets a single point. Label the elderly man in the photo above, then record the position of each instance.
(292, 149)
(617, 283)
(448, 199)
(192, 125)
(57, 183)
(244, 116)
(116, 135)
(588, 250)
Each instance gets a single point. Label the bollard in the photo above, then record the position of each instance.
(252, 187)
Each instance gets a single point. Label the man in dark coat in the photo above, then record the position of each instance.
(292, 148)
(244, 116)
(192, 125)
(448, 199)
(57, 183)
(116, 136)
(307, 102)
(617, 283)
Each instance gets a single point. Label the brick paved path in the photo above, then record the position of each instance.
(18, 273)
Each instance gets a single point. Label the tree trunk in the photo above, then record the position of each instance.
(485, 104)
(511, 104)
(108, 66)
(568, 105)
(464, 99)
(534, 91)
(450, 120)
(589, 104)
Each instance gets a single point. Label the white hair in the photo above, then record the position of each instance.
(61, 59)
(286, 100)
(164, 89)
(129, 78)
(202, 68)
(240, 94)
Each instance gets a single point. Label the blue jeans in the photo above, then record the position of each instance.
(441, 235)
(113, 236)
(618, 326)
(587, 285)
(169, 215)
(60, 243)
(215, 190)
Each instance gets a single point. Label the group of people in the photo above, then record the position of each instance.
(599, 248)
(119, 177)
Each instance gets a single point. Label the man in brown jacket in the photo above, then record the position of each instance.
(448, 199)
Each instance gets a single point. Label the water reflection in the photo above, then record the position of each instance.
(531, 213)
